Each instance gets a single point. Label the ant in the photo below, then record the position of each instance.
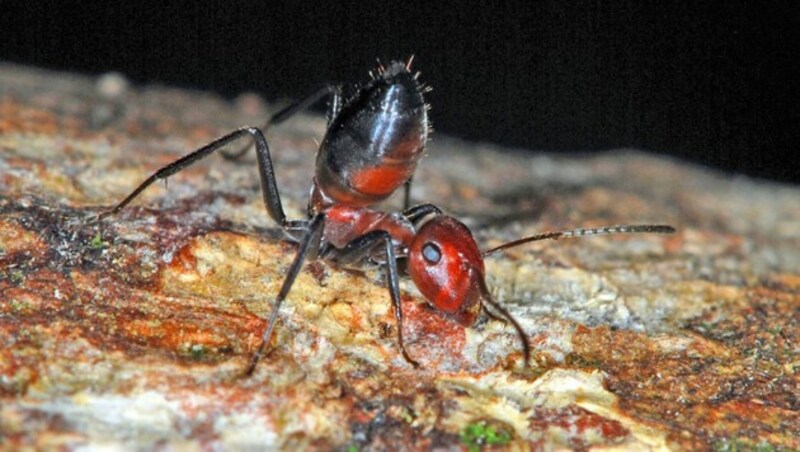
(373, 142)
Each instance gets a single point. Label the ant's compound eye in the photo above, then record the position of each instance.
(431, 253)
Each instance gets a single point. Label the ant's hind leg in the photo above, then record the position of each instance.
(269, 186)
(294, 108)
(363, 247)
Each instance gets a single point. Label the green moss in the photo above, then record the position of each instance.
(405, 415)
(198, 351)
(479, 434)
(576, 360)
(19, 306)
(743, 445)
(97, 242)
(706, 327)
(775, 330)
(17, 277)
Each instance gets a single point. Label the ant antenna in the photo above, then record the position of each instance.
(581, 232)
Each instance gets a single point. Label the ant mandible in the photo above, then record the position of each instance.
(371, 148)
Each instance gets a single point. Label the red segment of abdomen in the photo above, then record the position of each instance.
(381, 180)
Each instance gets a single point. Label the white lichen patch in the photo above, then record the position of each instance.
(515, 402)
(149, 418)
(241, 431)
(566, 293)
(145, 417)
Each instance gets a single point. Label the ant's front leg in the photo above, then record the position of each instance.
(505, 316)
(334, 105)
(269, 186)
(365, 246)
(309, 249)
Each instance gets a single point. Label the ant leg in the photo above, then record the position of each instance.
(269, 187)
(292, 109)
(418, 212)
(362, 247)
(407, 193)
(309, 249)
(494, 316)
(487, 298)
(296, 230)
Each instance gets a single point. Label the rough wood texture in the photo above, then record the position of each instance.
(134, 332)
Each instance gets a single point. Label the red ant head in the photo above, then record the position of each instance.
(447, 267)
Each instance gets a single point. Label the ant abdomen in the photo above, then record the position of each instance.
(374, 142)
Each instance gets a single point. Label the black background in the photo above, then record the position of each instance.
(715, 83)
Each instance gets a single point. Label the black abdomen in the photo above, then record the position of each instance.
(374, 142)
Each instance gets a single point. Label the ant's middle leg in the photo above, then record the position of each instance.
(292, 109)
(366, 245)
(309, 250)
(269, 186)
